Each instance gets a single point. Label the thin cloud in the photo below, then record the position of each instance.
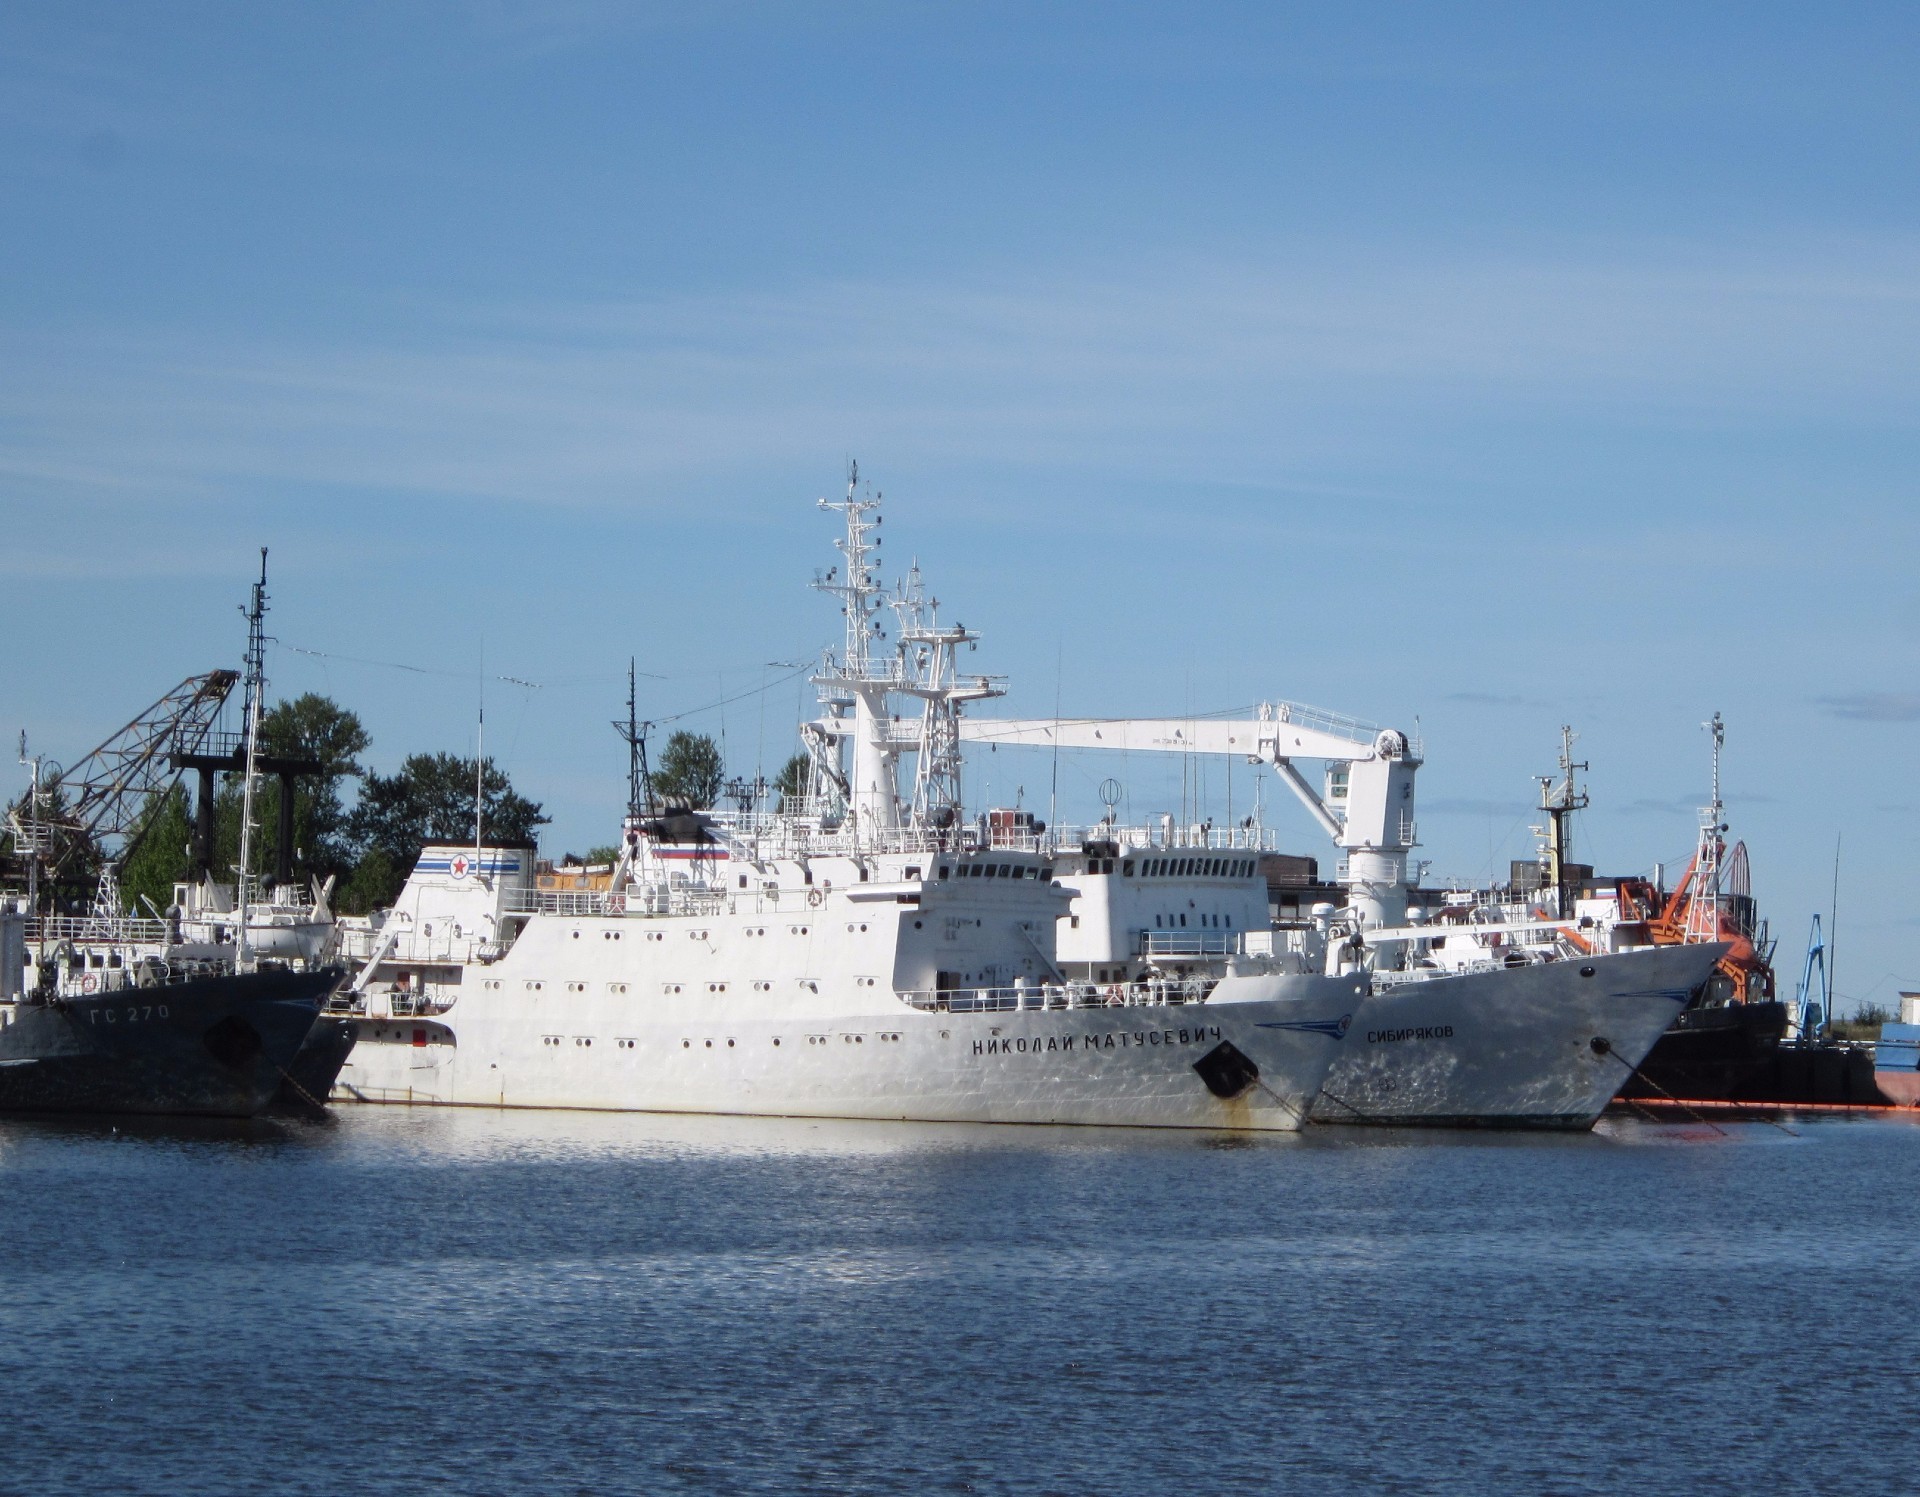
(1495, 699)
(1875, 706)
(1270, 366)
(1465, 806)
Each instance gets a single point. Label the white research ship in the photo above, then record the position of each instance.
(1527, 1021)
(866, 953)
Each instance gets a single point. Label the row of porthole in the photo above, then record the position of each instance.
(812, 1039)
(862, 929)
(585, 1042)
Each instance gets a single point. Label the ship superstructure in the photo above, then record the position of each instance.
(1484, 1017)
(862, 950)
(209, 1005)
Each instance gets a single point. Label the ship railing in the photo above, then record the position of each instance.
(1153, 839)
(1189, 943)
(145, 975)
(1037, 997)
(97, 929)
(400, 1003)
(671, 899)
(1320, 720)
(902, 735)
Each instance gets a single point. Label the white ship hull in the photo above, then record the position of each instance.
(1514, 1048)
(1120, 1066)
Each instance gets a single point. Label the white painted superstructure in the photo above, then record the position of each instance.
(1502, 1018)
(863, 952)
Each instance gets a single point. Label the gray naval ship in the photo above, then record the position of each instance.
(216, 1043)
(214, 1008)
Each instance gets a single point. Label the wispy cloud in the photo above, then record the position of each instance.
(1494, 699)
(1271, 368)
(1466, 806)
(1875, 706)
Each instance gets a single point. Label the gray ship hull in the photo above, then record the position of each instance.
(214, 1046)
(1138, 1065)
(1542, 1046)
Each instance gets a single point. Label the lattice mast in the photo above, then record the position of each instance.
(929, 652)
(1703, 908)
(256, 690)
(1559, 799)
(860, 680)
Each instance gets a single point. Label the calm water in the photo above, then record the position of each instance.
(478, 1302)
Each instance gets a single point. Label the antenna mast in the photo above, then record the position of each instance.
(35, 842)
(480, 762)
(857, 680)
(1703, 910)
(255, 690)
(1560, 799)
(639, 777)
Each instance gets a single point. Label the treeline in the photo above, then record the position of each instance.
(361, 828)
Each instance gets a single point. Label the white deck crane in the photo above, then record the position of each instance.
(1368, 810)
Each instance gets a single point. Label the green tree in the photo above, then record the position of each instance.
(607, 852)
(429, 800)
(73, 858)
(308, 727)
(373, 882)
(312, 727)
(791, 782)
(690, 772)
(162, 854)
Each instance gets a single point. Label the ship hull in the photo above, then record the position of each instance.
(1543, 1046)
(213, 1046)
(1896, 1061)
(1133, 1066)
(315, 1066)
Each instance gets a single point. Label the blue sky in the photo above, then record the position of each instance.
(1495, 366)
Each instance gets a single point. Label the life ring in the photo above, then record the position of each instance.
(89, 983)
(815, 898)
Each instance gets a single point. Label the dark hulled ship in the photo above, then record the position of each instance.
(216, 1045)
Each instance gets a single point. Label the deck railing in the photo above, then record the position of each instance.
(1040, 996)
